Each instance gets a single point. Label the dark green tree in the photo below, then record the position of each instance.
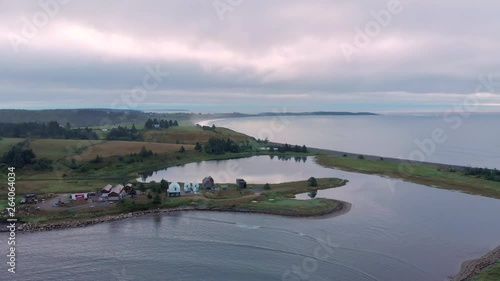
(312, 181)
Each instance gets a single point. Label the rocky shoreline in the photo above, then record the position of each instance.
(339, 209)
(471, 268)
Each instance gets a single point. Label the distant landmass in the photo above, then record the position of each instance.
(89, 117)
(315, 113)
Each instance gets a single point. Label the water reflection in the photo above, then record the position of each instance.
(255, 170)
(312, 194)
(288, 158)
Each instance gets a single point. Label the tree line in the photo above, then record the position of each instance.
(51, 129)
(488, 174)
(125, 134)
(164, 124)
(288, 148)
(221, 146)
(77, 117)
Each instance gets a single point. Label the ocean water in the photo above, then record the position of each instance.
(454, 139)
(395, 231)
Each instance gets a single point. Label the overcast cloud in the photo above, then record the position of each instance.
(242, 55)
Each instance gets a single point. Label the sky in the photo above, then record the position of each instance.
(251, 56)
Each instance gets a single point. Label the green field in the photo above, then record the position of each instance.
(422, 174)
(53, 149)
(7, 143)
(491, 273)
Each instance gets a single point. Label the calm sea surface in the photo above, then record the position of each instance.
(472, 140)
(395, 231)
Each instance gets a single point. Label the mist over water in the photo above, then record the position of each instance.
(472, 141)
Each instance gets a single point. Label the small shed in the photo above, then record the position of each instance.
(79, 196)
(208, 183)
(241, 183)
(174, 189)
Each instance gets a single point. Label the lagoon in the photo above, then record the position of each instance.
(395, 231)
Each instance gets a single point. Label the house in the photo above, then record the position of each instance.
(117, 192)
(208, 183)
(107, 188)
(174, 189)
(156, 126)
(188, 187)
(79, 196)
(195, 187)
(241, 183)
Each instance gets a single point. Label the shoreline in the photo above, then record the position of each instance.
(339, 209)
(470, 268)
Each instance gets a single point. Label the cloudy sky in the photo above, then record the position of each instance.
(250, 55)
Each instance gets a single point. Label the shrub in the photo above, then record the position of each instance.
(267, 186)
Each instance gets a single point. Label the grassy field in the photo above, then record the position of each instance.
(422, 174)
(62, 186)
(113, 148)
(53, 149)
(7, 143)
(59, 149)
(191, 135)
(491, 273)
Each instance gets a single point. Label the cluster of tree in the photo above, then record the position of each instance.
(19, 156)
(77, 117)
(150, 123)
(51, 129)
(221, 146)
(198, 147)
(124, 133)
(488, 174)
(287, 147)
(145, 153)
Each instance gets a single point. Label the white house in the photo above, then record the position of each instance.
(195, 187)
(174, 189)
(188, 187)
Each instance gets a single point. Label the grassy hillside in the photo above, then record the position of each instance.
(114, 148)
(191, 135)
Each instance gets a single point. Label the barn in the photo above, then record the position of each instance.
(174, 189)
